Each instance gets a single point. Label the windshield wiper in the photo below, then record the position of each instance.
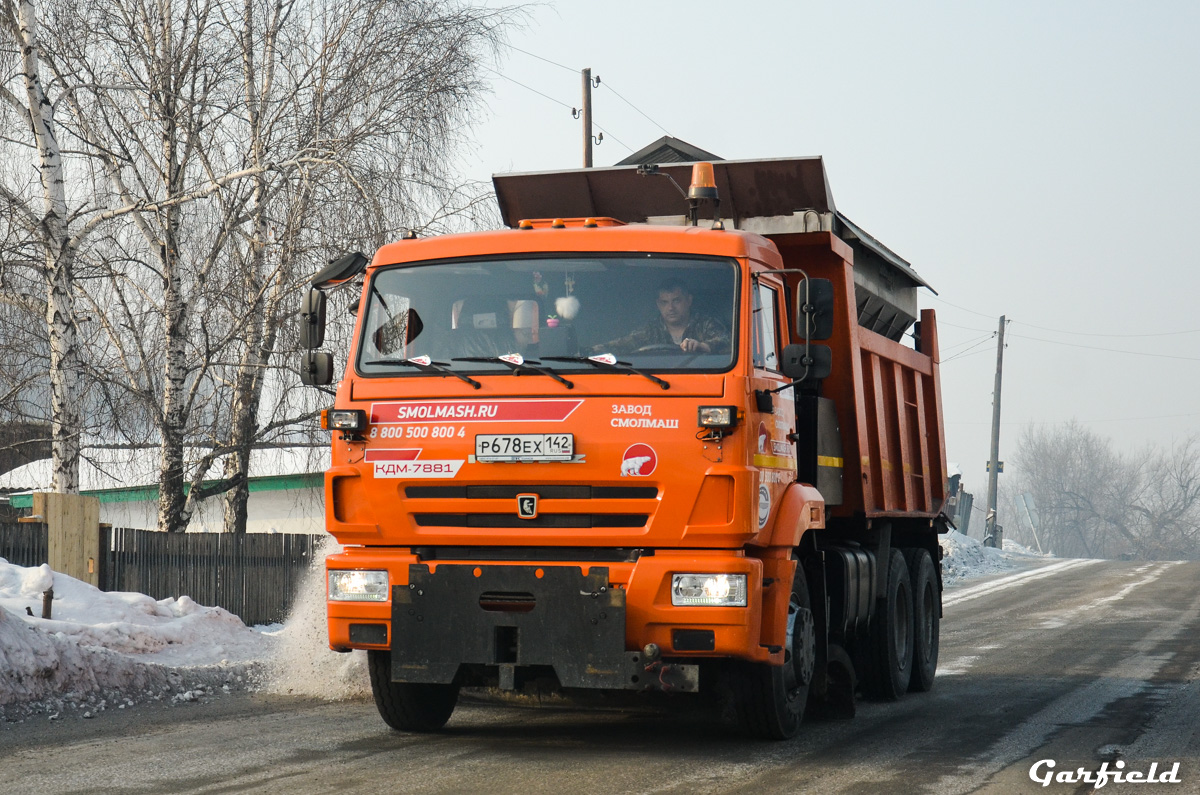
(609, 361)
(518, 363)
(428, 365)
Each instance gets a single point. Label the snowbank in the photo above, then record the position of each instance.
(964, 557)
(103, 649)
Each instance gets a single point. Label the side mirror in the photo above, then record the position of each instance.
(312, 319)
(814, 318)
(817, 364)
(341, 269)
(316, 368)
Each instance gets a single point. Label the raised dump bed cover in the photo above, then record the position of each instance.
(769, 197)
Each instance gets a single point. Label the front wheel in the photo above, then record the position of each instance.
(770, 699)
(405, 706)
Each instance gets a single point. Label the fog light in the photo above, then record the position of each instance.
(717, 416)
(358, 586)
(708, 590)
(343, 419)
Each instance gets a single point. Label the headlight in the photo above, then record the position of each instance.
(358, 586)
(717, 416)
(343, 419)
(708, 590)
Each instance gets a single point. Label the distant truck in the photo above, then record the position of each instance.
(638, 441)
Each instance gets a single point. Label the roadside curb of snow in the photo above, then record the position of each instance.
(964, 557)
(72, 680)
(140, 683)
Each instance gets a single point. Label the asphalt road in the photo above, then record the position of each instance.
(1078, 662)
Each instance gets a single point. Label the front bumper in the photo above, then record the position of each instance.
(590, 622)
(510, 617)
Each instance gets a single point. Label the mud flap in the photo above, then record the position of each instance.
(511, 616)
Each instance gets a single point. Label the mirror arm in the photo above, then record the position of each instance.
(797, 382)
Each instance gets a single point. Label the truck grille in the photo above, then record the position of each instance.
(528, 554)
(546, 492)
(565, 520)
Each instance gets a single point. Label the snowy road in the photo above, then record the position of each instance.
(1080, 662)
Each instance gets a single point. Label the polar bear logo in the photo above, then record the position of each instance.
(639, 461)
(633, 466)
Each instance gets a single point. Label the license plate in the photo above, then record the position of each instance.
(524, 447)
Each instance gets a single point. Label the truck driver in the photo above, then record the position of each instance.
(675, 326)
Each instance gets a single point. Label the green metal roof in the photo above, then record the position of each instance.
(308, 480)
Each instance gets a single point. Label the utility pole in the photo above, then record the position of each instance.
(993, 534)
(587, 118)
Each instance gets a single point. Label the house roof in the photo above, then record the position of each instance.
(668, 150)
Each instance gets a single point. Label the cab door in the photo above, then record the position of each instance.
(772, 454)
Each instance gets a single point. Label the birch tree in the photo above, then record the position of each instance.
(223, 150)
(48, 221)
(378, 92)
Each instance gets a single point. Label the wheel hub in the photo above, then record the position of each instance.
(800, 657)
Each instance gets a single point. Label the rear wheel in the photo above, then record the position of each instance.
(926, 619)
(891, 649)
(770, 699)
(405, 706)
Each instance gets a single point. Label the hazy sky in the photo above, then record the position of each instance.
(1032, 159)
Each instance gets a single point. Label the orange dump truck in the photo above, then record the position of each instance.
(638, 441)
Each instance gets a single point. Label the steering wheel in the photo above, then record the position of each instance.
(661, 347)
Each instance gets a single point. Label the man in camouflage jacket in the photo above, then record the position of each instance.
(675, 326)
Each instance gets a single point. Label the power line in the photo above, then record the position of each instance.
(1059, 331)
(966, 328)
(949, 348)
(1110, 350)
(1090, 334)
(635, 107)
(547, 60)
(961, 354)
(1084, 422)
(965, 355)
(610, 135)
(560, 102)
(530, 88)
(963, 308)
(602, 85)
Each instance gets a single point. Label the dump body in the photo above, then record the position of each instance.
(887, 397)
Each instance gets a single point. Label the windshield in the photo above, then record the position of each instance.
(653, 312)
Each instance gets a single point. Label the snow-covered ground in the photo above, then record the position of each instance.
(113, 650)
(964, 557)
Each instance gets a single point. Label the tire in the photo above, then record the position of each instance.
(409, 707)
(927, 622)
(770, 699)
(891, 650)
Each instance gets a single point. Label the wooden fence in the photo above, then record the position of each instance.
(256, 576)
(24, 544)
